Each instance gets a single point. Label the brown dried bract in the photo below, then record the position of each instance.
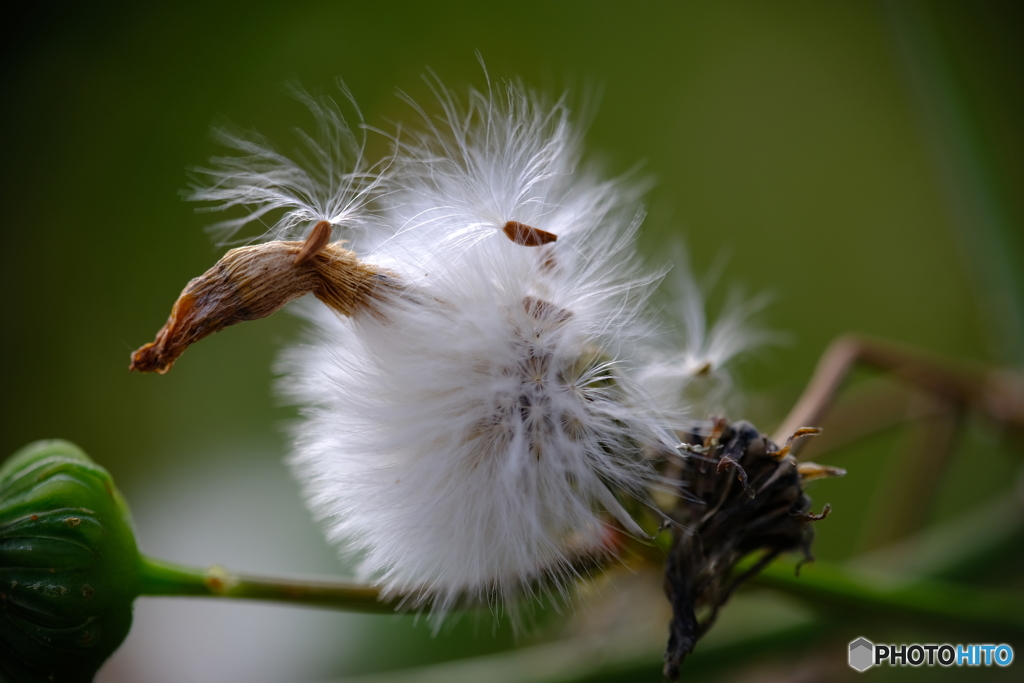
(523, 234)
(810, 471)
(798, 434)
(252, 282)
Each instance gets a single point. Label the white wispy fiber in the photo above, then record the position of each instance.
(482, 434)
(326, 178)
(692, 372)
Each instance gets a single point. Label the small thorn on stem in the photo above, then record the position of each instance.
(318, 238)
(523, 234)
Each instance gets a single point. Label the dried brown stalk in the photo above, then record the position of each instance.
(253, 282)
(941, 391)
(997, 393)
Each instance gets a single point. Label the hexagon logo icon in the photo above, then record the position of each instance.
(862, 654)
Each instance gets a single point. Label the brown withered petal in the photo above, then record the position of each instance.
(523, 234)
(252, 282)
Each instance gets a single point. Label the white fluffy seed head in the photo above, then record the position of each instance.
(472, 438)
(467, 441)
(483, 432)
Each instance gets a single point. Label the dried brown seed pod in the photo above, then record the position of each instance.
(252, 282)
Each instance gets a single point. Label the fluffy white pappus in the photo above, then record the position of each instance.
(325, 178)
(504, 154)
(692, 373)
(479, 436)
(470, 441)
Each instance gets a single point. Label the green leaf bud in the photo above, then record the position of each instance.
(68, 565)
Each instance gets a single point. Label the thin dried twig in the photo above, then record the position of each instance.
(997, 393)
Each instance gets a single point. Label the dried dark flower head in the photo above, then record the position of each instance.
(741, 494)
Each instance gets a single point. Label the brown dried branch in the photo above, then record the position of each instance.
(997, 393)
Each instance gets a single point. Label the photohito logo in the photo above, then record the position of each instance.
(864, 654)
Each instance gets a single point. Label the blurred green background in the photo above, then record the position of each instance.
(863, 162)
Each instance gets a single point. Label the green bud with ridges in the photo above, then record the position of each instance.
(68, 565)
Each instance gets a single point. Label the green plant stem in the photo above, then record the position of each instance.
(926, 601)
(157, 577)
(919, 599)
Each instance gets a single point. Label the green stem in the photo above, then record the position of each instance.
(157, 577)
(922, 600)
